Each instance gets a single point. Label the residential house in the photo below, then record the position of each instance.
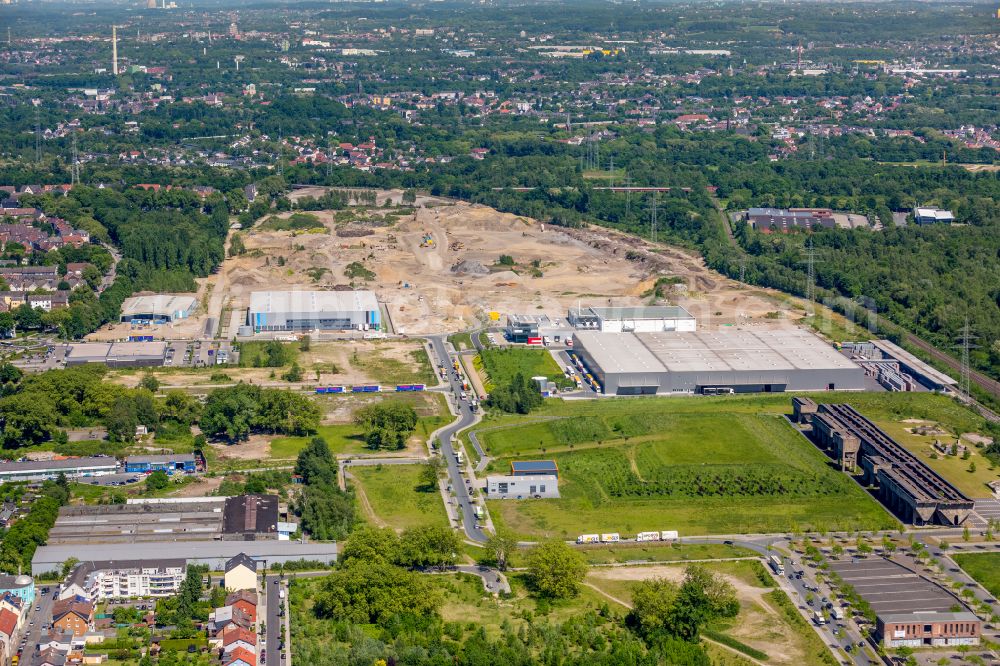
(75, 616)
(241, 573)
(240, 657)
(235, 638)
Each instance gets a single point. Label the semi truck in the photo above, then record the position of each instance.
(611, 537)
(647, 536)
(588, 538)
(776, 564)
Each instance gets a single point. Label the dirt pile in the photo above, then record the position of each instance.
(467, 267)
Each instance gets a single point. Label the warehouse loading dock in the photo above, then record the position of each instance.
(715, 362)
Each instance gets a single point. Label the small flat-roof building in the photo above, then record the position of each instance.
(524, 327)
(715, 362)
(534, 468)
(40, 470)
(932, 216)
(158, 308)
(770, 220)
(928, 629)
(182, 462)
(313, 310)
(522, 487)
(118, 354)
(641, 319)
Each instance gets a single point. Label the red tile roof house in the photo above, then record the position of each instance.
(240, 657)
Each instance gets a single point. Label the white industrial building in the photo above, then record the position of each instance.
(522, 487)
(641, 319)
(301, 311)
(158, 308)
(715, 362)
(40, 470)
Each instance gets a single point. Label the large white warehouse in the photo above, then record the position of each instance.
(715, 362)
(313, 310)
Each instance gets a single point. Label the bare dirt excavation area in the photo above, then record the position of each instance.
(437, 266)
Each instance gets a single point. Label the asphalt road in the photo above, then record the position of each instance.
(33, 626)
(466, 417)
(272, 623)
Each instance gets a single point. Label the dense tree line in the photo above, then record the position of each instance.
(235, 412)
(327, 512)
(38, 408)
(19, 543)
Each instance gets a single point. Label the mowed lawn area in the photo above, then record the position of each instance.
(984, 567)
(500, 365)
(698, 465)
(394, 496)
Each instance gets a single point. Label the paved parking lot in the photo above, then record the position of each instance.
(987, 510)
(891, 588)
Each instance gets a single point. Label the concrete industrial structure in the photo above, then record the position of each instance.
(906, 485)
(124, 579)
(41, 470)
(301, 311)
(239, 518)
(159, 308)
(118, 354)
(713, 362)
(522, 487)
(643, 319)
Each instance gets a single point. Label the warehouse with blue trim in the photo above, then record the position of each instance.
(303, 311)
(173, 462)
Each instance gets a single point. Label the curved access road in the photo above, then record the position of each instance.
(465, 418)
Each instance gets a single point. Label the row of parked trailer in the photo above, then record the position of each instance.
(370, 388)
(614, 537)
(587, 377)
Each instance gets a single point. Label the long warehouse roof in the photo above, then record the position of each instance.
(313, 301)
(704, 351)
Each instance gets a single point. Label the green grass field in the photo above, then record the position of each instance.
(983, 567)
(397, 498)
(390, 371)
(500, 365)
(345, 438)
(701, 466)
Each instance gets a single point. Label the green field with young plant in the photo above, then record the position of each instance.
(701, 466)
(500, 365)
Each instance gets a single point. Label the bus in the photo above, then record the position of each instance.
(776, 564)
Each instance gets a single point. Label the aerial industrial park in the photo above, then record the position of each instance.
(499, 333)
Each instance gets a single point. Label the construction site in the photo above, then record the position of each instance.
(442, 265)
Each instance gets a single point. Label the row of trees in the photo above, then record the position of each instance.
(387, 425)
(235, 412)
(327, 512)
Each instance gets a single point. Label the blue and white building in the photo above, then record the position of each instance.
(304, 311)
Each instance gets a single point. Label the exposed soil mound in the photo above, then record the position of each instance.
(466, 267)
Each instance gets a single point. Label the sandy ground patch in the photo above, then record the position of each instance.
(200, 486)
(423, 294)
(258, 447)
(757, 624)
